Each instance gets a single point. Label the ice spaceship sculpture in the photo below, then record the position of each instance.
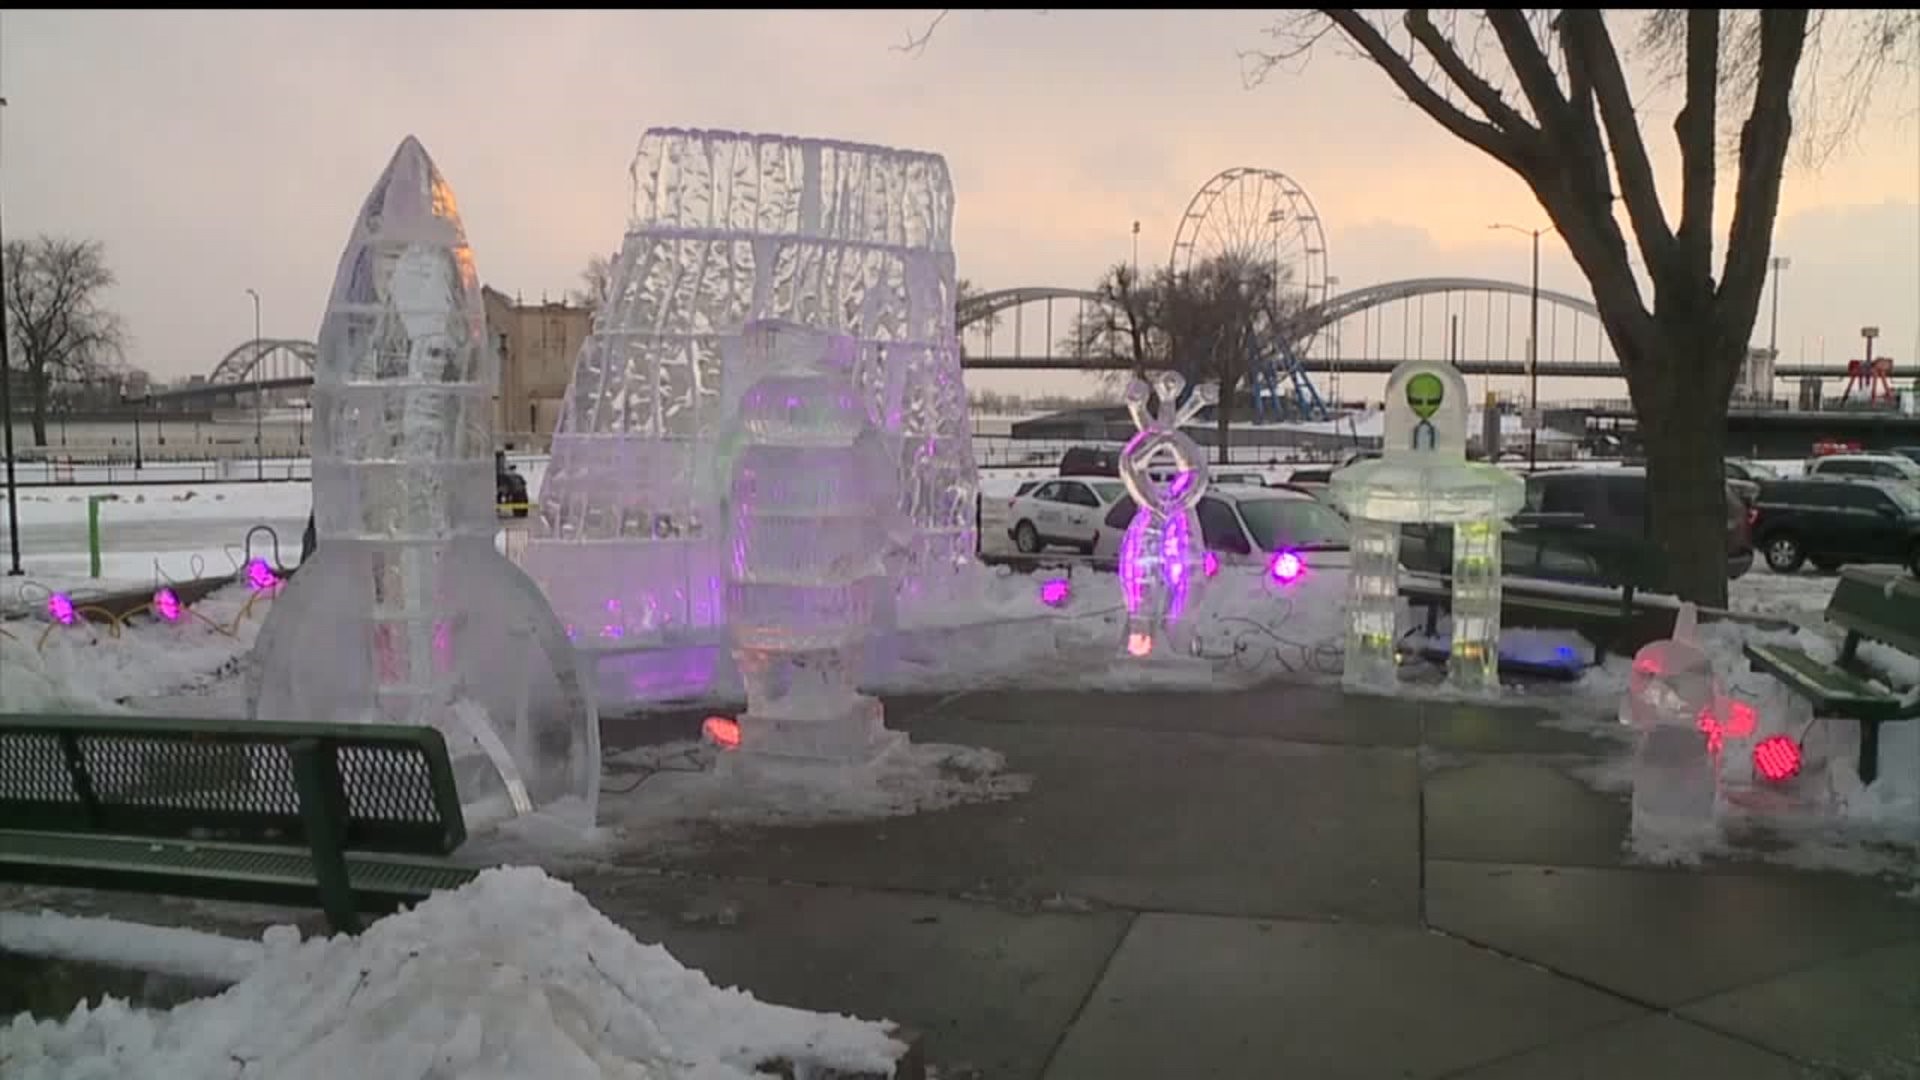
(405, 613)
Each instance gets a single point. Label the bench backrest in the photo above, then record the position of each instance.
(226, 779)
(1879, 604)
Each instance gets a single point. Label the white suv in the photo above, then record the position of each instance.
(1063, 512)
(1877, 466)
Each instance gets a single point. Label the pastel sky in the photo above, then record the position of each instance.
(216, 151)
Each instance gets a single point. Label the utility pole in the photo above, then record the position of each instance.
(1136, 254)
(1533, 345)
(1780, 262)
(6, 425)
(259, 400)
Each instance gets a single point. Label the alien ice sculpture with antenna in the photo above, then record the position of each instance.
(1160, 557)
(1423, 477)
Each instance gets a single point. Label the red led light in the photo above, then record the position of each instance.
(1777, 758)
(722, 732)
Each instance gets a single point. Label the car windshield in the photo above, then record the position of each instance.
(1906, 498)
(1293, 523)
(1108, 490)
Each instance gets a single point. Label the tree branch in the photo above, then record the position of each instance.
(1478, 90)
(1695, 127)
(1584, 31)
(1490, 140)
(1530, 65)
(1764, 141)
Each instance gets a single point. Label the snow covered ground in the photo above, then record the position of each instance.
(514, 975)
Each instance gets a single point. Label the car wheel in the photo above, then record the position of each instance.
(1826, 566)
(1026, 538)
(1784, 555)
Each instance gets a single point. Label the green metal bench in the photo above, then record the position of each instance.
(1869, 604)
(294, 814)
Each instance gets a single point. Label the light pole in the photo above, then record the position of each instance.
(1533, 345)
(1779, 263)
(259, 401)
(1136, 254)
(6, 425)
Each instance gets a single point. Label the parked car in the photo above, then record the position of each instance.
(1246, 524)
(1090, 461)
(509, 487)
(1911, 453)
(1064, 512)
(1878, 466)
(1615, 501)
(1750, 471)
(1836, 521)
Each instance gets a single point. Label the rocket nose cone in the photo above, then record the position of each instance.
(411, 188)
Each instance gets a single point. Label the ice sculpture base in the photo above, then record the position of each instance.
(1164, 666)
(855, 736)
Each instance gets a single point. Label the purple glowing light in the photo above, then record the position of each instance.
(1210, 564)
(1056, 593)
(261, 576)
(60, 609)
(166, 604)
(1287, 566)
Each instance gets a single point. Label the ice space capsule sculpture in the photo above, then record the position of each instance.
(728, 228)
(406, 613)
(1676, 705)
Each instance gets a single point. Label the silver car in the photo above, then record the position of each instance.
(1246, 524)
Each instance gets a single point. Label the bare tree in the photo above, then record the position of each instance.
(964, 294)
(1572, 131)
(1211, 324)
(56, 315)
(595, 280)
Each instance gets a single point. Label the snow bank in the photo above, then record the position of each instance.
(514, 975)
(164, 950)
(87, 668)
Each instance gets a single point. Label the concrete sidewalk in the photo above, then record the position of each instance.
(1287, 883)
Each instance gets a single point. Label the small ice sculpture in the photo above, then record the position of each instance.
(1676, 704)
(727, 228)
(407, 614)
(1423, 476)
(812, 490)
(1162, 553)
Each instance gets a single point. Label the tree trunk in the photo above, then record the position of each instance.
(1683, 425)
(1223, 421)
(37, 407)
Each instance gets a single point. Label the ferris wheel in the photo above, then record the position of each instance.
(1260, 217)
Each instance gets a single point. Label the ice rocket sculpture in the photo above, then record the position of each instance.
(407, 614)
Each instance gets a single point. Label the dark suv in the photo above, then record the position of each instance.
(1838, 521)
(1615, 501)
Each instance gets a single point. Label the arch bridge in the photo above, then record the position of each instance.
(264, 366)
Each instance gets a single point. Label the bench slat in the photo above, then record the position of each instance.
(1830, 688)
(219, 871)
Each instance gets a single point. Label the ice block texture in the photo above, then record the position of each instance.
(728, 228)
(1674, 699)
(406, 613)
(1423, 476)
(809, 508)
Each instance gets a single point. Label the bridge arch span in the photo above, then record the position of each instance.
(276, 354)
(1355, 301)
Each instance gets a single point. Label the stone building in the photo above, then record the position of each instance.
(537, 344)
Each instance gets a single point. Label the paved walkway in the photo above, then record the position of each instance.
(1284, 884)
(1290, 883)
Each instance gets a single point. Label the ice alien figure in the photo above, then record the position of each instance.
(1423, 477)
(1160, 556)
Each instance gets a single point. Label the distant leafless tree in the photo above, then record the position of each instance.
(59, 327)
(1546, 94)
(1211, 324)
(963, 292)
(595, 280)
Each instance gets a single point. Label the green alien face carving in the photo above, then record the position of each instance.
(1425, 391)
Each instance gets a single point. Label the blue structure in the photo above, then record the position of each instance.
(1274, 401)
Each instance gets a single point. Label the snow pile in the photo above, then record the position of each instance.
(88, 668)
(164, 950)
(514, 975)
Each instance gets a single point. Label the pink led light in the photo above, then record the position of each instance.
(166, 604)
(1056, 592)
(1287, 566)
(722, 732)
(261, 576)
(1139, 644)
(1210, 565)
(60, 609)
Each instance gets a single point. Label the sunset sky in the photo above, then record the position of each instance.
(216, 151)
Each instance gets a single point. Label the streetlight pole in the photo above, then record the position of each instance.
(6, 425)
(1780, 262)
(1533, 345)
(1136, 254)
(259, 401)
